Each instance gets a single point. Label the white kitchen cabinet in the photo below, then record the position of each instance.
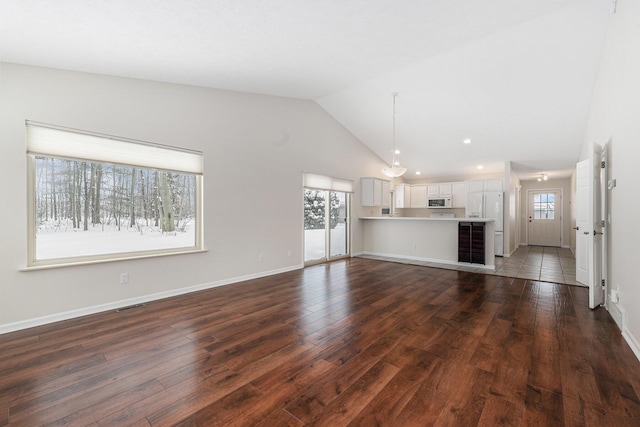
(492, 185)
(386, 194)
(475, 186)
(484, 185)
(445, 189)
(433, 190)
(371, 192)
(459, 191)
(439, 190)
(402, 194)
(418, 196)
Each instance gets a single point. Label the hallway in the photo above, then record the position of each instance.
(547, 264)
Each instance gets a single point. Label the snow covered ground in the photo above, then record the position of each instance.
(68, 243)
(314, 243)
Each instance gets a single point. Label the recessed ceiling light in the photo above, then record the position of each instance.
(397, 151)
(480, 167)
(418, 173)
(467, 141)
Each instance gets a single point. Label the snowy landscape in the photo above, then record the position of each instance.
(85, 209)
(67, 242)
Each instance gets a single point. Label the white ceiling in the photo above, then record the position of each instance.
(514, 76)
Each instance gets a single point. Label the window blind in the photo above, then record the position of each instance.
(53, 141)
(322, 182)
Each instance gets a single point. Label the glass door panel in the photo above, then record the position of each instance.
(315, 238)
(338, 225)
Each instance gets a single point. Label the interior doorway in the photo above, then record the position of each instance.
(544, 217)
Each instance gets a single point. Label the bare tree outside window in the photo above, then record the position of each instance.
(85, 208)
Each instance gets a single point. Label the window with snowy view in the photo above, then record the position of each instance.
(85, 210)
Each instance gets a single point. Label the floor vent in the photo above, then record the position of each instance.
(129, 307)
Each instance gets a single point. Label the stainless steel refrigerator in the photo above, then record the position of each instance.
(489, 204)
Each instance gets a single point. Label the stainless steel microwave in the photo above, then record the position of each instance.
(439, 202)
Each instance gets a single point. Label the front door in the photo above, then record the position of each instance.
(545, 218)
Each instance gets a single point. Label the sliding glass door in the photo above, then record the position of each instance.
(326, 225)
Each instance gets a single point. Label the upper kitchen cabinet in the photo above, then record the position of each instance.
(484, 185)
(439, 189)
(493, 184)
(418, 196)
(386, 194)
(459, 192)
(474, 186)
(374, 192)
(402, 194)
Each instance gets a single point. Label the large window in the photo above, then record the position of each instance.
(94, 197)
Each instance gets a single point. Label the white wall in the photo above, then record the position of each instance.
(562, 184)
(512, 187)
(255, 149)
(572, 212)
(615, 115)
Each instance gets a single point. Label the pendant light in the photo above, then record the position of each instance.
(394, 170)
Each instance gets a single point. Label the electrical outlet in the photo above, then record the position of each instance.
(260, 257)
(615, 296)
(289, 254)
(124, 278)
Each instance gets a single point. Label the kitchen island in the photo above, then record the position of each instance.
(423, 239)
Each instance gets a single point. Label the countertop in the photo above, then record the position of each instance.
(421, 218)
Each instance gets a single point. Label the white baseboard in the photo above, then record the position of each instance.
(38, 321)
(354, 254)
(619, 315)
(437, 261)
(633, 343)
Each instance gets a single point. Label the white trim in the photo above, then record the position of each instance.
(619, 315)
(124, 256)
(437, 261)
(57, 317)
(632, 341)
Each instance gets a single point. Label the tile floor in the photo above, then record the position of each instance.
(547, 264)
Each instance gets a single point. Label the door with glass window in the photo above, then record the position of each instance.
(326, 225)
(545, 214)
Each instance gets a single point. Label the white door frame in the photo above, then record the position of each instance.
(546, 190)
(518, 193)
(604, 210)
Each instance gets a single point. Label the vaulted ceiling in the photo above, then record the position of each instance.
(515, 77)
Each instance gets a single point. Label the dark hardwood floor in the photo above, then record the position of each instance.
(355, 342)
